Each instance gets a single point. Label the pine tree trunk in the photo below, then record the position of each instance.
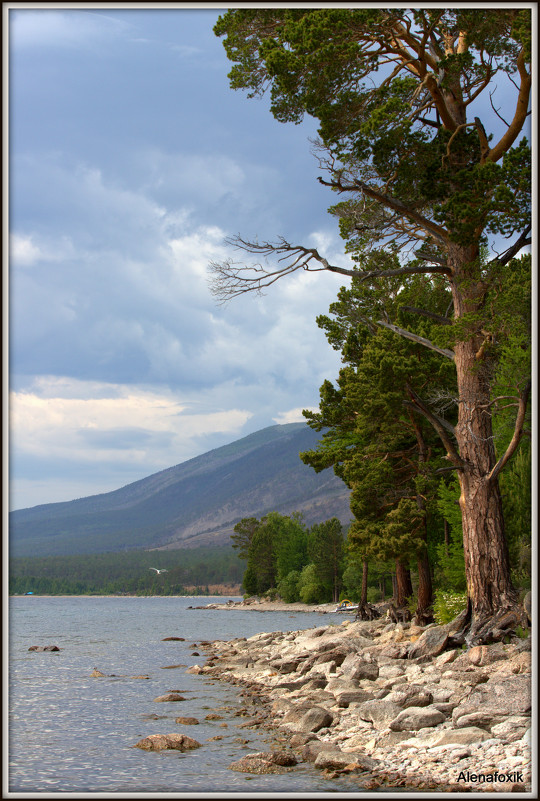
(487, 565)
(363, 599)
(403, 584)
(425, 591)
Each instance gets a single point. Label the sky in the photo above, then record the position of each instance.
(131, 160)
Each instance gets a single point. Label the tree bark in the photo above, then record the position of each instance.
(487, 565)
(403, 584)
(423, 612)
(363, 599)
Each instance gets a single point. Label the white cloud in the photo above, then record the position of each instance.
(89, 422)
(22, 250)
(292, 416)
(70, 29)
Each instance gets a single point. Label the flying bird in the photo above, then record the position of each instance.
(158, 571)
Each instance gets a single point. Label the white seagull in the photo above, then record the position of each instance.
(158, 571)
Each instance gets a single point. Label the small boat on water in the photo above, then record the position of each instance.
(346, 606)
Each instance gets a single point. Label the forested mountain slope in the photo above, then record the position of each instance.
(194, 503)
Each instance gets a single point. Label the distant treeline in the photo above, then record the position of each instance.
(127, 572)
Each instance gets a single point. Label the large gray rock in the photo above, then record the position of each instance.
(355, 668)
(379, 712)
(417, 717)
(305, 720)
(490, 703)
(312, 749)
(162, 742)
(511, 729)
(472, 734)
(346, 697)
(431, 643)
(407, 695)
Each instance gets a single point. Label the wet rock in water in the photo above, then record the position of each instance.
(299, 740)
(340, 759)
(213, 716)
(261, 763)
(312, 749)
(171, 667)
(175, 639)
(44, 648)
(187, 721)
(162, 742)
(97, 674)
(194, 669)
(169, 697)
(417, 717)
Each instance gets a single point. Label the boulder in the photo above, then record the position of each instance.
(346, 697)
(187, 721)
(467, 736)
(262, 763)
(44, 648)
(363, 670)
(332, 760)
(431, 643)
(312, 749)
(176, 639)
(407, 695)
(169, 697)
(161, 742)
(417, 717)
(511, 729)
(490, 703)
(379, 712)
(304, 720)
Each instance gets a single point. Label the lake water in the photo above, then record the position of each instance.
(71, 733)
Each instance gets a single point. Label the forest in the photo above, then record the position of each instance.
(188, 572)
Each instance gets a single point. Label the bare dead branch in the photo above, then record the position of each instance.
(518, 433)
(441, 426)
(415, 338)
(230, 279)
(424, 313)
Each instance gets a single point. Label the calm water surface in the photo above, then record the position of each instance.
(70, 733)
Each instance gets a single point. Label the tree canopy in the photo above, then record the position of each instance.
(423, 131)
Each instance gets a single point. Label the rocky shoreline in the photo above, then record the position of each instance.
(385, 705)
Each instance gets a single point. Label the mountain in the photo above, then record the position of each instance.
(195, 503)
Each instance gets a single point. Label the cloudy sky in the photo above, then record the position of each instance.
(131, 160)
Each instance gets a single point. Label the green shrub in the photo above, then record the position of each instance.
(288, 587)
(271, 594)
(373, 595)
(448, 605)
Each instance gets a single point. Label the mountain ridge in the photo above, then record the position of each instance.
(196, 502)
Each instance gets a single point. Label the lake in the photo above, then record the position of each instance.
(71, 733)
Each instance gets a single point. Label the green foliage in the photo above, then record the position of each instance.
(310, 589)
(326, 552)
(288, 587)
(448, 605)
(244, 531)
